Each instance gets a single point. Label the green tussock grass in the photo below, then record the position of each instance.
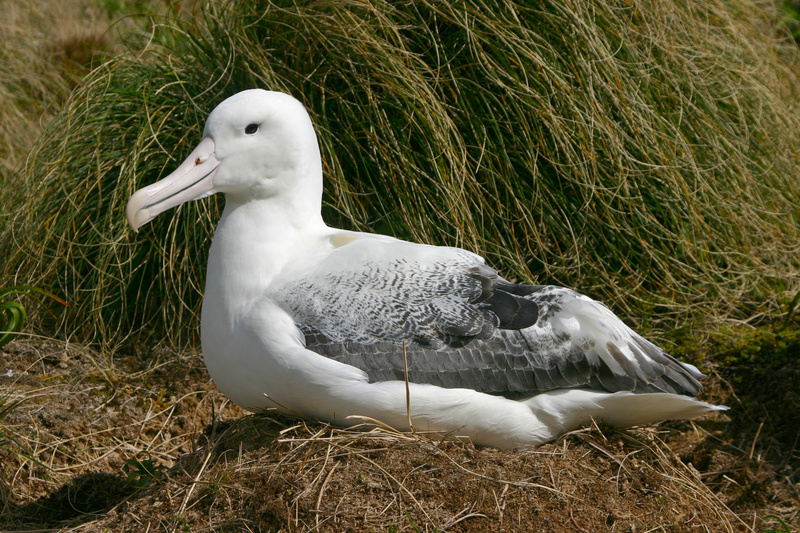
(642, 152)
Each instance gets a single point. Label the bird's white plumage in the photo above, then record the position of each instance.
(312, 319)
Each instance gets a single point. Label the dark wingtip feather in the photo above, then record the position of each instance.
(512, 311)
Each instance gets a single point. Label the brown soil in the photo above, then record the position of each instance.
(145, 442)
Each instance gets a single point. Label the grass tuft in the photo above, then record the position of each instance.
(644, 153)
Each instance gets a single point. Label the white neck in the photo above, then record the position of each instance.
(254, 241)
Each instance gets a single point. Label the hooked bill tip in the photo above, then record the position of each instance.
(135, 212)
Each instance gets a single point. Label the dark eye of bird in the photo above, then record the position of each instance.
(251, 129)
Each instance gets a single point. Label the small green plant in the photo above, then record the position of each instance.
(12, 313)
(141, 473)
(414, 526)
(782, 526)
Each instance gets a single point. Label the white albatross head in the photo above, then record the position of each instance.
(257, 144)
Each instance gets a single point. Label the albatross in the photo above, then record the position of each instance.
(346, 326)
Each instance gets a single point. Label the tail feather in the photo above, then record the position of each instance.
(566, 410)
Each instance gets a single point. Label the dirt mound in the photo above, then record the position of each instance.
(146, 442)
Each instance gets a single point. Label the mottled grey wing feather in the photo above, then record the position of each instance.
(505, 364)
(462, 326)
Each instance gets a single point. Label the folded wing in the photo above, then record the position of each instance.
(463, 326)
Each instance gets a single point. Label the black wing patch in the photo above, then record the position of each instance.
(500, 306)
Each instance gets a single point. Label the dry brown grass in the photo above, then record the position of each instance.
(320, 478)
(86, 417)
(84, 414)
